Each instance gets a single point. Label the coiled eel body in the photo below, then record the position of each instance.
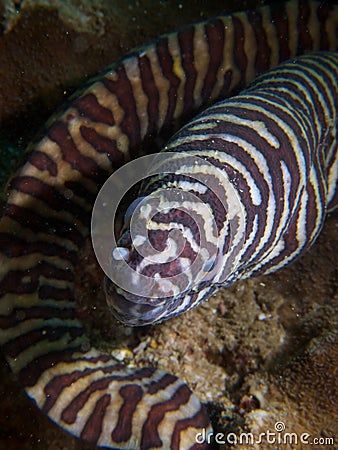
(47, 208)
(248, 186)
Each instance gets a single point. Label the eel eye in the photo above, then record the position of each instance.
(209, 265)
(131, 208)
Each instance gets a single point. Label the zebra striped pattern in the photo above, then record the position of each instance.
(47, 208)
(267, 170)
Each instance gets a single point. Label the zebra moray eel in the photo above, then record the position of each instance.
(48, 203)
(265, 163)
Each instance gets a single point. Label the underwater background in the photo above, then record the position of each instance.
(261, 351)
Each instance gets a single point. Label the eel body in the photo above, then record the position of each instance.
(244, 191)
(119, 115)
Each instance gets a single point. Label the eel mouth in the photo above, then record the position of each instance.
(136, 310)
